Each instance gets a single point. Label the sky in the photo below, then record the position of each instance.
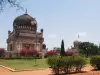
(60, 19)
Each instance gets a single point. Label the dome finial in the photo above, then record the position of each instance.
(26, 11)
(78, 36)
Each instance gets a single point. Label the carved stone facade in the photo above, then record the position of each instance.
(25, 35)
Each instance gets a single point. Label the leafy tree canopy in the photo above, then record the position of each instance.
(88, 48)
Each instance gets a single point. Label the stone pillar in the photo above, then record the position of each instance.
(43, 53)
(40, 47)
(14, 46)
(8, 46)
(43, 50)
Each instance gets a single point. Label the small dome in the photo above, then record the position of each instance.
(24, 19)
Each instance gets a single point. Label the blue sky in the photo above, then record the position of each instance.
(60, 19)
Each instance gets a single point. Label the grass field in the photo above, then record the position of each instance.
(24, 64)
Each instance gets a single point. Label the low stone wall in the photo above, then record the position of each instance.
(10, 69)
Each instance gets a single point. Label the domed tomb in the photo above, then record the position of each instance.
(24, 34)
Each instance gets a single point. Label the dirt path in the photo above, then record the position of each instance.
(4, 70)
(36, 72)
(47, 71)
(88, 73)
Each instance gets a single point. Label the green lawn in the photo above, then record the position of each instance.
(24, 64)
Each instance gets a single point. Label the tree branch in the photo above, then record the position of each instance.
(12, 3)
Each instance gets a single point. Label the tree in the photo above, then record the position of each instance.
(12, 3)
(99, 49)
(88, 49)
(62, 53)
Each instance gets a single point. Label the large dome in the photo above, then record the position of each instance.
(24, 19)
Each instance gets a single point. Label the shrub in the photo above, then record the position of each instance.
(95, 62)
(51, 53)
(66, 64)
(52, 61)
(79, 62)
(54, 64)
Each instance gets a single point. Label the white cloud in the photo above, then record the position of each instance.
(52, 36)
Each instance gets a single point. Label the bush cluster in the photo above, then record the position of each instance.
(70, 53)
(2, 52)
(95, 62)
(66, 64)
(51, 53)
(29, 53)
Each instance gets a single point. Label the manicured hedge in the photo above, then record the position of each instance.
(95, 62)
(66, 64)
(14, 58)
